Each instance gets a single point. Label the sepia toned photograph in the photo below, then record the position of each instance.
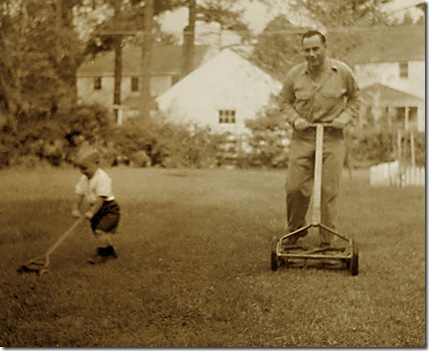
(212, 174)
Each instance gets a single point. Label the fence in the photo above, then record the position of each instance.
(393, 174)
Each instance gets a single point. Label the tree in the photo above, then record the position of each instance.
(223, 12)
(341, 13)
(278, 47)
(42, 77)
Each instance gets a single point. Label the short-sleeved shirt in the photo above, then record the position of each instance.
(334, 94)
(99, 185)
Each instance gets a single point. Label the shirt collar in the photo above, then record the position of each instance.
(328, 65)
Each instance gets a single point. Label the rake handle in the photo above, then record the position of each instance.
(63, 236)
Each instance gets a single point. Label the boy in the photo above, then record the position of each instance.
(104, 213)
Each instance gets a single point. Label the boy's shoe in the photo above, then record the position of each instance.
(99, 257)
(110, 252)
(103, 254)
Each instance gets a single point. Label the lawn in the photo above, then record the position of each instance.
(194, 265)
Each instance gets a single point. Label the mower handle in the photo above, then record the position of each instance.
(314, 125)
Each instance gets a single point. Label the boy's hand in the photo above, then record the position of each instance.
(76, 214)
(89, 215)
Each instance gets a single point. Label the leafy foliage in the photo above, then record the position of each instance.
(269, 139)
(340, 13)
(278, 48)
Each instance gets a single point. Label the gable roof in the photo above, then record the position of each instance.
(166, 60)
(227, 66)
(388, 96)
(387, 44)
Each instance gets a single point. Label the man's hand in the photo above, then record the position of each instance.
(301, 124)
(337, 124)
(76, 214)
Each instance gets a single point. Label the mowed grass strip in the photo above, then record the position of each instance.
(194, 265)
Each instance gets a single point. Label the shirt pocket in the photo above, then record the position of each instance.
(302, 95)
(333, 93)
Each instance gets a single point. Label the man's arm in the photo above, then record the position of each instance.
(351, 110)
(287, 98)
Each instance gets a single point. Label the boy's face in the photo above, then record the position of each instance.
(87, 168)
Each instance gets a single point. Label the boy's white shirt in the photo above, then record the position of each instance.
(99, 185)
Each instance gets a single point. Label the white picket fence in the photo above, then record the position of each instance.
(392, 174)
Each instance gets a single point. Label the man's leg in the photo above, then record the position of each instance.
(333, 160)
(299, 182)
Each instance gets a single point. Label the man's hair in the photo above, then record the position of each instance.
(312, 33)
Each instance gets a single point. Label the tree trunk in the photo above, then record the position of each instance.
(145, 101)
(189, 39)
(118, 65)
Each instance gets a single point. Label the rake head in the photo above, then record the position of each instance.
(33, 267)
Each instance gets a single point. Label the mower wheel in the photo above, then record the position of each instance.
(275, 262)
(354, 261)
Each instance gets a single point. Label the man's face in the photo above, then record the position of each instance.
(314, 51)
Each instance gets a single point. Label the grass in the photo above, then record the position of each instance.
(194, 266)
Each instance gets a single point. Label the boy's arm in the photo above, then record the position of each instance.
(95, 207)
(76, 206)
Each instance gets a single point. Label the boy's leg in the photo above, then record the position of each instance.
(105, 249)
(104, 226)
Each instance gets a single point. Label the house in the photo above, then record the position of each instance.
(221, 94)
(95, 77)
(392, 108)
(391, 62)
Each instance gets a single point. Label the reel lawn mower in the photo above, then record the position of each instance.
(336, 256)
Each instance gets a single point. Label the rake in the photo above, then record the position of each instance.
(40, 264)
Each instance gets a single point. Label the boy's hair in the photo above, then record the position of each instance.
(87, 154)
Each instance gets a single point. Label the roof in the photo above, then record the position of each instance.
(400, 5)
(387, 44)
(166, 60)
(388, 96)
(226, 72)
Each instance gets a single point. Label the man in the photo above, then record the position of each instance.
(320, 90)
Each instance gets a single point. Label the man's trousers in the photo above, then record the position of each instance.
(300, 178)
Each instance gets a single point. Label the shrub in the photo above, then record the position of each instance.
(368, 147)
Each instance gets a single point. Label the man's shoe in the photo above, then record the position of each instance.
(292, 240)
(325, 245)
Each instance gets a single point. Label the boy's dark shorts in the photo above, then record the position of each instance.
(107, 218)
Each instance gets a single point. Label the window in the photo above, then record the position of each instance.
(227, 116)
(134, 84)
(97, 83)
(403, 70)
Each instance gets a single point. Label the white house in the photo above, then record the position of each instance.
(95, 77)
(393, 60)
(221, 94)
